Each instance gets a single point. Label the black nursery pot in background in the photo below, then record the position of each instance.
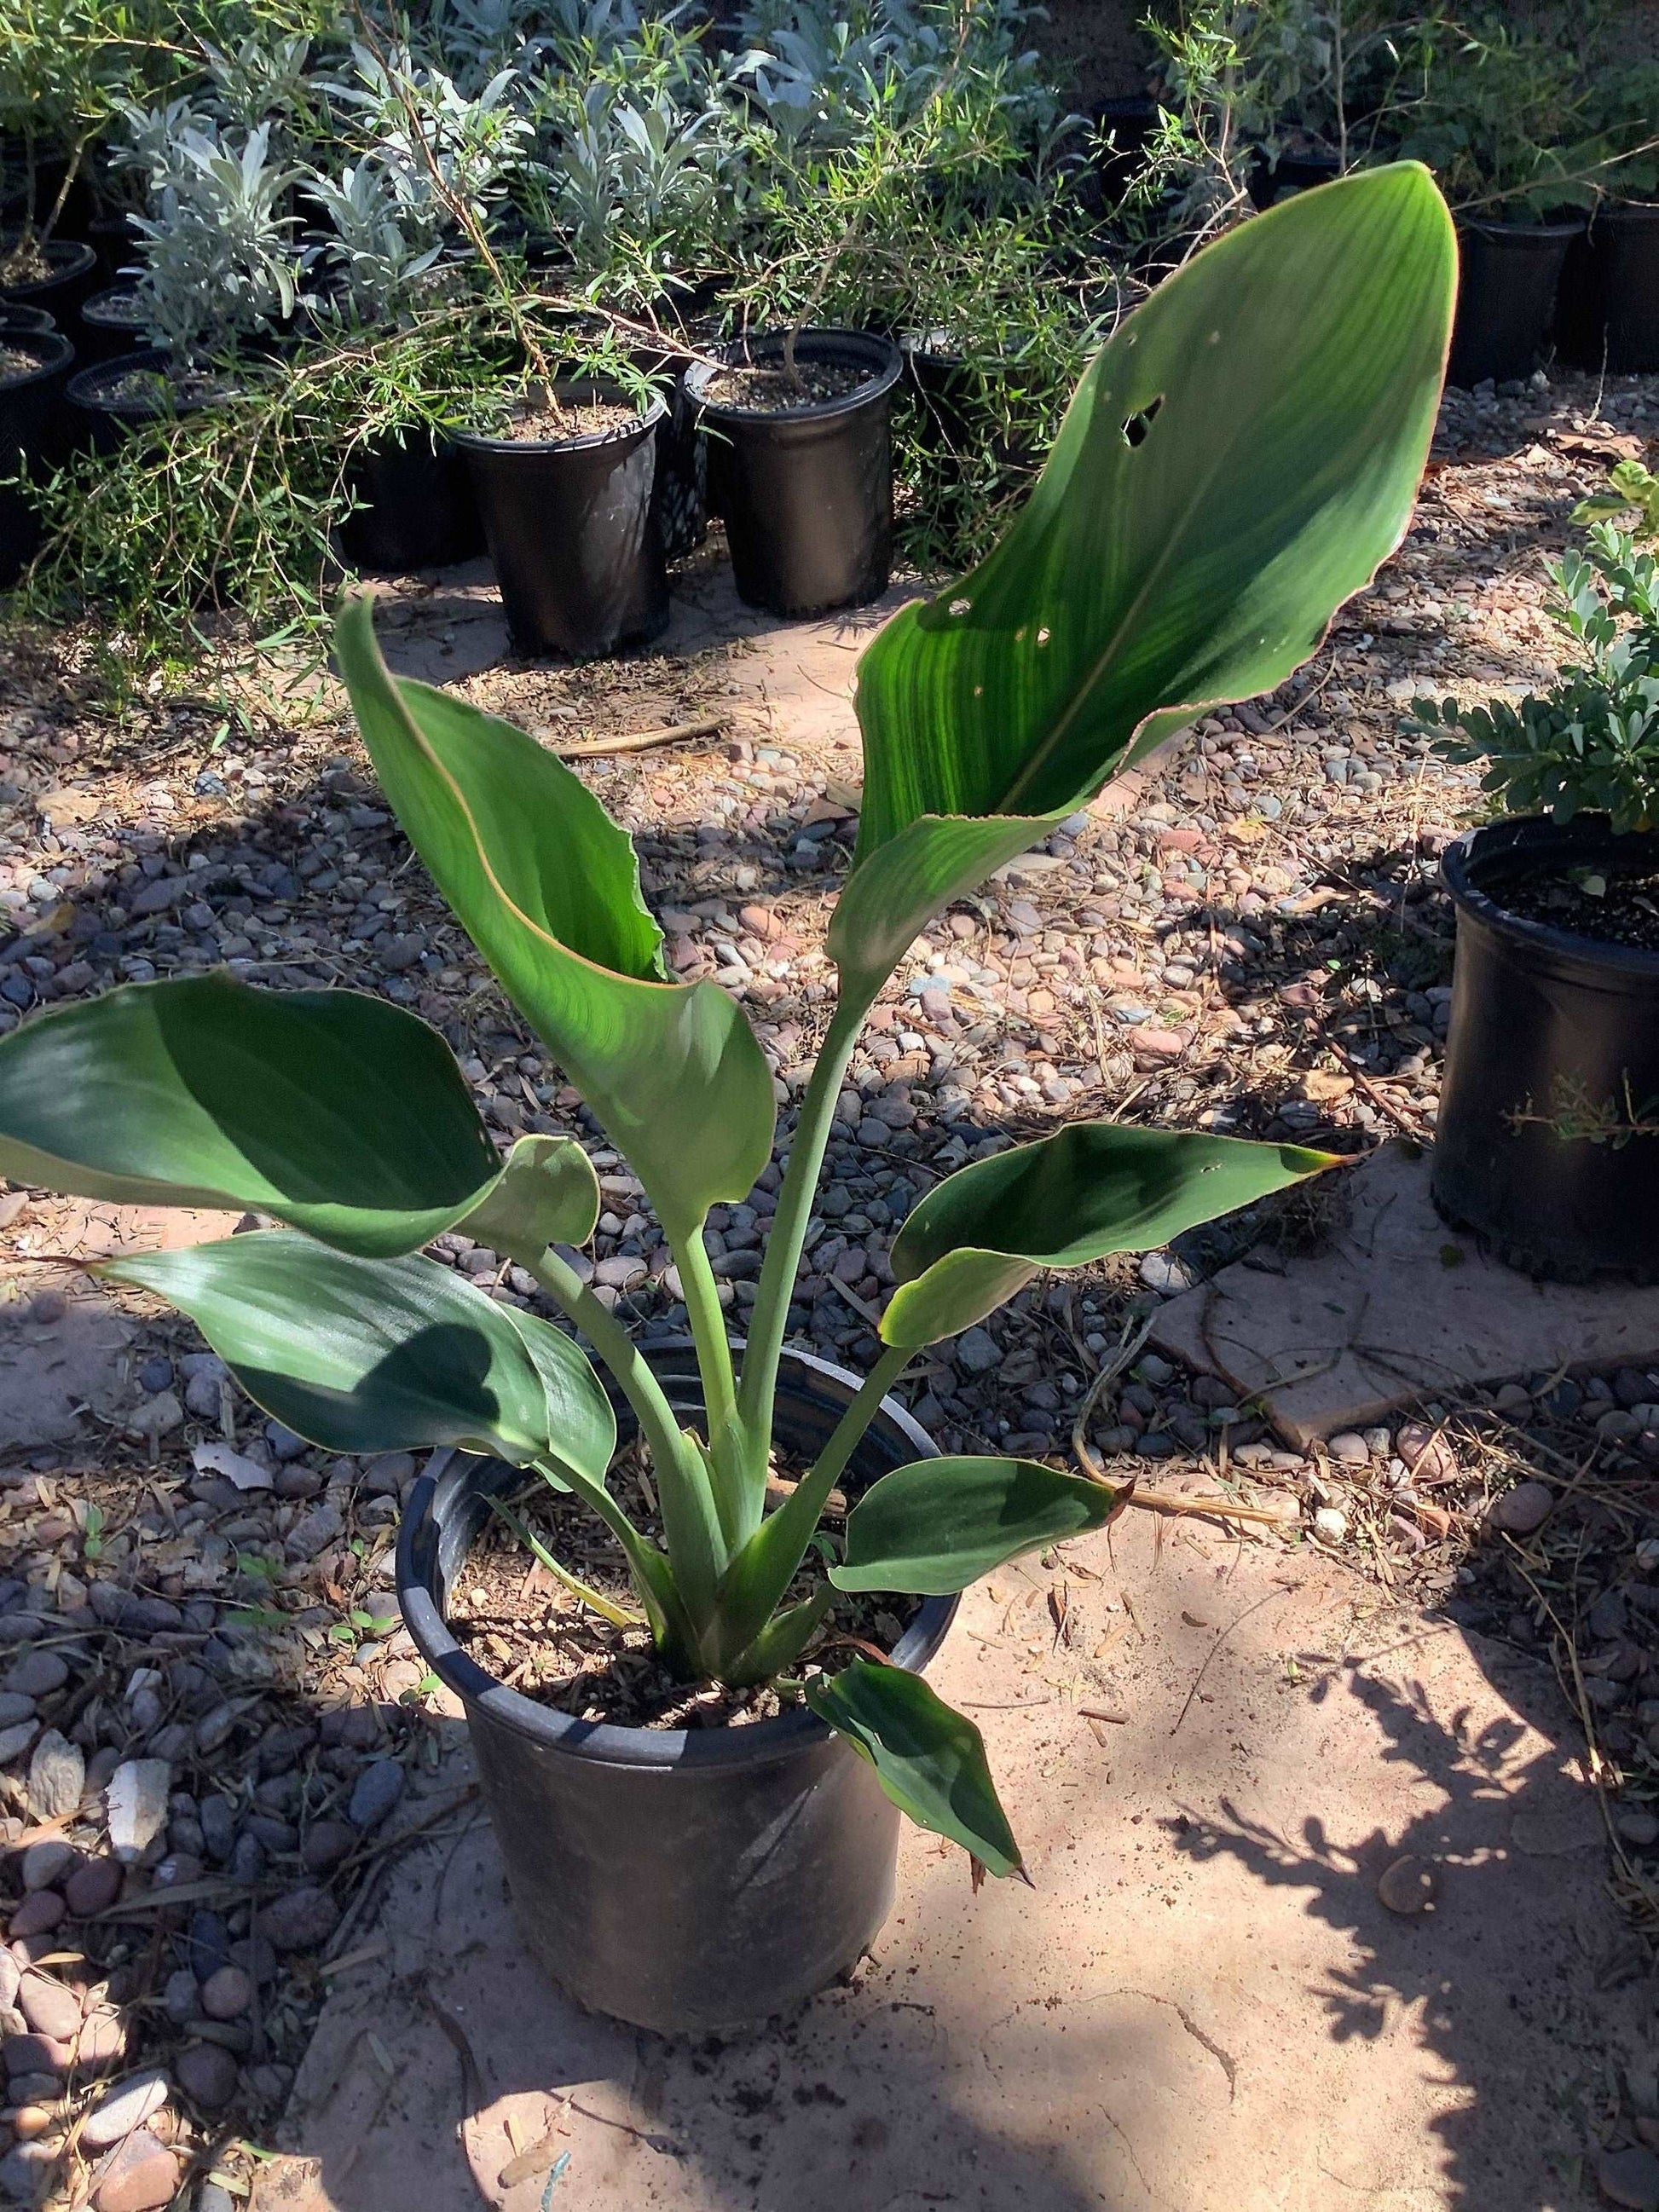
(417, 510)
(72, 272)
(1272, 180)
(1508, 277)
(684, 1880)
(31, 404)
(1552, 1051)
(112, 398)
(1609, 310)
(573, 532)
(109, 324)
(806, 490)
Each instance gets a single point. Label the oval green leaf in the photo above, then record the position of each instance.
(928, 1759)
(547, 1194)
(361, 1356)
(1238, 460)
(1093, 1189)
(331, 1109)
(547, 887)
(929, 1529)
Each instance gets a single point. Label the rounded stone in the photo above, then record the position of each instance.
(326, 1844)
(43, 1863)
(227, 1994)
(1629, 2177)
(37, 1674)
(48, 2007)
(39, 1912)
(206, 2075)
(93, 1887)
(120, 2111)
(1521, 1511)
(103, 2043)
(139, 2175)
(1408, 1887)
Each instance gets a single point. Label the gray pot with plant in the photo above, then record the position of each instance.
(1545, 1143)
(1297, 368)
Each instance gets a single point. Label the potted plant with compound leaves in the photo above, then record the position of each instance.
(686, 1879)
(1544, 1142)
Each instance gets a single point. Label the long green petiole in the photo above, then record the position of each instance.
(740, 1494)
(619, 1616)
(758, 1392)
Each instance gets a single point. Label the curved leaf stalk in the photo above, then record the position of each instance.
(697, 1542)
(619, 1616)
(738, 1497)
(757, 1390)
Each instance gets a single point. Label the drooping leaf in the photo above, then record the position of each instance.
(1239, 459)
(331, 1109)
(362, 1355)
(933, 1527)
(928, 1759)
(1091, 1189)
(548, 1194)
(547, 887)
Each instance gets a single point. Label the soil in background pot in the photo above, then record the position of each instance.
(32, 367)
(566, 489)
(1546, 1143)
(112, 398)
(804, 471)
(418, 510)
(109, 323)
(1509, 276)
(57, 275)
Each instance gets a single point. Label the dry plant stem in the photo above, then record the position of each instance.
(681, 733)
(1134, 1335)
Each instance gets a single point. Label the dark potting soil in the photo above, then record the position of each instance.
(15, 362)
(510, 1614)
(770, 392)
(1608, 910)
(156, 392)
(540, 425)
(25, 263)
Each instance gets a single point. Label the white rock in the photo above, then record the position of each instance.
(116, 2115)
(215, 1458)
(137, 1806)
(1331, 1522)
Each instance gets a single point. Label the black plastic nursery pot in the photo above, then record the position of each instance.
(681, 486)
(1272, 180)
(684, 1880)
(72, 272)
(417, 510)
(1551, 1058)
(573, 532)
(807, 491)
(31, 402)
(1509, 276)
(1131, 119)
(114, 241)
(944, 387)
(104, 408)
(109, 324)
(1609, 308)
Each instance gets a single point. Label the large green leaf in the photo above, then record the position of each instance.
(1094, 1188)
(934, 1527)
(362, 1356)
(547, 1194)
(547, 887)
(1239, 459)
(331, 1109)
(928, 1759)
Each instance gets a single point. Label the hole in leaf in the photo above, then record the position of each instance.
(1044, 636)
(1135, 429)
(961, 606)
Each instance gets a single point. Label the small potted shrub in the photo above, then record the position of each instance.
(1545, 1143)
(1501, 116)
(689, 1877)
(219, 272)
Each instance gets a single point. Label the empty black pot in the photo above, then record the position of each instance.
(31, 401)
(1609, 308)
(1272, 180)
(1552, 1053)
(684, 1881)
(109, 323)
(30, 322)
(418, 510)
(807, 491)
(1509, 276)
(573, 532)
(72, 271)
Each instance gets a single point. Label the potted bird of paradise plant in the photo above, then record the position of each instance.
(1237, 462)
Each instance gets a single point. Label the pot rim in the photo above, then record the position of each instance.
(1549, 843)
(83, 388)
(74, 258)
(60, 353)
(887, 366)
(1494, 227)
(486, 441)
(103, 299)
(608, 1743)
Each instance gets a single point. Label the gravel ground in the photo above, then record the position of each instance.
(212, 1732)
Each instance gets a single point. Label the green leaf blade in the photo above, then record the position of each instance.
(929, 1760)
(934, 1528)
(1240, 458)
(1092, 1189)
(547, 1194)
(361, 1356)
(547, 887)
(331, 1109)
